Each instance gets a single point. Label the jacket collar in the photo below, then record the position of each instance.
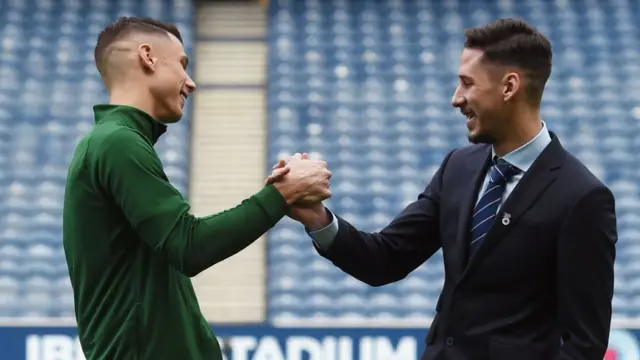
(130, 117)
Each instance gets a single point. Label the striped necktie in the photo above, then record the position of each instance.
(489, 203)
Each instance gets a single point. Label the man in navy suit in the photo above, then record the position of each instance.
(528, 233)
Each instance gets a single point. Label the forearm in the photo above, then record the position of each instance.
(378, 258)
(194, 244)
(130, 171)
(374, 265)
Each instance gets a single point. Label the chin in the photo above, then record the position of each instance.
(170, 119)
(173, 117)
(177, 116)
(174, 120)
(178, 113)
(480, 138)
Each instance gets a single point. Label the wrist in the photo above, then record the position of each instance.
(317, 220)
(290, 193)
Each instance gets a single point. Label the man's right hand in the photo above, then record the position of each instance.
(307, 181)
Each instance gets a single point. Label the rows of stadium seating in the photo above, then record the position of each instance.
(367, 86)
(49, 84)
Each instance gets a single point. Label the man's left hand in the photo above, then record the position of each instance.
(280, 170)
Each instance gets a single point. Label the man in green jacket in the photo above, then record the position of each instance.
(130, 242)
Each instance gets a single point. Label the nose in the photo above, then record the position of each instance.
(190, 84)
(457, 100)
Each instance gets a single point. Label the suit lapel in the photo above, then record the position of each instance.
(472, 178)
(530, 188)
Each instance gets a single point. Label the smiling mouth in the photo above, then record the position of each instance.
(470, 115)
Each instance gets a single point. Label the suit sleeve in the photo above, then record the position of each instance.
(323, 238)
(399, 248)
(129, 171)
(586, 255)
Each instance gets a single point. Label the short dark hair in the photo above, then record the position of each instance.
(125, 26)
(513, 42)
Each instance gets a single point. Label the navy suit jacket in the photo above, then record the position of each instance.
(539, 287)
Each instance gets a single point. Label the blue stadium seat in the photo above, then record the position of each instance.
(49, 85)
(367, 86)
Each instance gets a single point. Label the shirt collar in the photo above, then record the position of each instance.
(524, 156)
(130, 117)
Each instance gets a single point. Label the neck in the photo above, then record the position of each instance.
(525, 127)
(130, 96)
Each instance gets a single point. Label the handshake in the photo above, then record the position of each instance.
(304, 183)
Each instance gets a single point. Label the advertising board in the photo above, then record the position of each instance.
(269, 343)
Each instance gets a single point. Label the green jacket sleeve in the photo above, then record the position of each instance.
(129, 171)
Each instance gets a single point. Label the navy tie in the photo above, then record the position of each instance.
(489, 203)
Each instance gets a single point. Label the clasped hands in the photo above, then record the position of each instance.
(304, 183)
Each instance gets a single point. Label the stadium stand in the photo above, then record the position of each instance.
(49, 84)
(367, 86)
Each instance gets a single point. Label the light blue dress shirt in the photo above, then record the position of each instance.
(522, 158)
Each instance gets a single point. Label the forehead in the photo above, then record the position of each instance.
(471, 63)
(175, 47)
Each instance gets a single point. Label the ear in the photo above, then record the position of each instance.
(147, 58)
(511, 85)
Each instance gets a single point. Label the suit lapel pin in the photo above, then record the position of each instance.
(506, 219)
